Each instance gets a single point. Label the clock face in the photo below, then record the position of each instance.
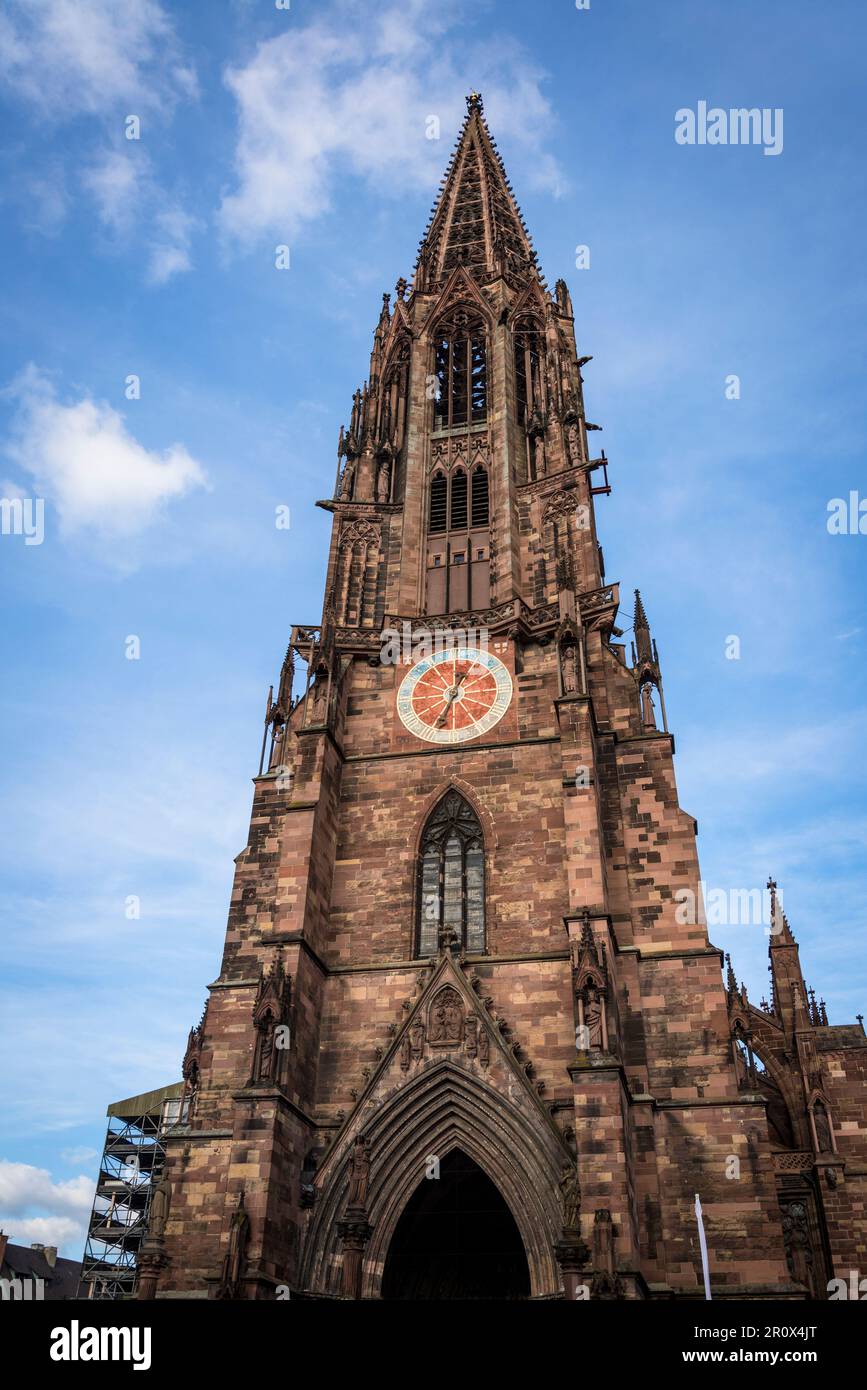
(454, 696)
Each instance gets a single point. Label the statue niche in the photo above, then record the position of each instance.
(569, 667)
(271, 1024)
(822, 1127)
(593, 1031)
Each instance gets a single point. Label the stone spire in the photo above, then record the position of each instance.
(643, 646)
(790, 991)
(645, 667)
(476, 221)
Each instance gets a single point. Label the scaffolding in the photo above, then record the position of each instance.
(129, 1171)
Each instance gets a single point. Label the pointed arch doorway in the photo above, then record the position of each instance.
(456, 1239)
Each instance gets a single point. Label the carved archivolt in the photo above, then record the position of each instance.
(445, 1107)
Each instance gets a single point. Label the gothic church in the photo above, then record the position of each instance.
(464, 1042)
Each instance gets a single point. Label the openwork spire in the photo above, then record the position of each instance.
(476, 221)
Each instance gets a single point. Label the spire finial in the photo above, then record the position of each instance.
(640, 615)
(731, 980)
(643, 645)
(474, 103)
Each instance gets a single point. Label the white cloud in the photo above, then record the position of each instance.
(78, 1155)
(116, 180)
(35, 1208)
(23, 1187)
(67, 1235)
(99, 58)
(170, 245)
(313, 108)
(125, 191)
(92, 56)
(84, 460)
(45, 200)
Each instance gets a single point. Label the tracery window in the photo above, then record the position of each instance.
(451, 877)
(460, 366)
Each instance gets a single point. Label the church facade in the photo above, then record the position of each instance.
(470, 1038)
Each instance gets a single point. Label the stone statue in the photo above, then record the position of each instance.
(159, 1208)
(593, 1018)
(648, 718)
(383, 481)
(570, 1193)
(570, 669)
(359, 1173)
(320, 690)
(539, 455)
(823, 1128)
(266, 1050)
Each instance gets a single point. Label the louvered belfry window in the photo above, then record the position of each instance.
(459, 501)
(438, 504)
(451, 877)
(480, 497)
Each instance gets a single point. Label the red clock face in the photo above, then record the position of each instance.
(454, 696)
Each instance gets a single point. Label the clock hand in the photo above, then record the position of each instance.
(450, 699)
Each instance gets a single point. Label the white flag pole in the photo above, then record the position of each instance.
(703, 1246)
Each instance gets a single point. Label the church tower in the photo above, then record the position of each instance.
(468, 1038)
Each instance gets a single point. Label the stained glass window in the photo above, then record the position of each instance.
(452, 877)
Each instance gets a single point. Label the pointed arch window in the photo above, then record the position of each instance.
(461, 369)
(529, 356)
(451, 877)
(395, 391)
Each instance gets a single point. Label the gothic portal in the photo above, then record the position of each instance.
(464, 1042)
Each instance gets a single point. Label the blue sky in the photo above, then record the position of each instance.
(308, 127)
